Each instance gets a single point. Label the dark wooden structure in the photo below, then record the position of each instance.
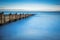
(6, 18)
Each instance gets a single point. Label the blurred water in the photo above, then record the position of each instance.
(42, 26)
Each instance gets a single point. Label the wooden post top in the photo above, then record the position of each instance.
(1, 13)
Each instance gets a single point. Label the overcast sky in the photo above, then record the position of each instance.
(40, 5)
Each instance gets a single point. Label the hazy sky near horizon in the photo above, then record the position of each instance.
(30, 4)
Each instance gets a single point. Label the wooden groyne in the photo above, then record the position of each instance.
(6, 18)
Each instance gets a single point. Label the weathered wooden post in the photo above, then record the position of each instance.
(10, 17)
(2, 18)
(7, 18)
(16, 16)
(22, 16)
(19, 16)
(13, 17)
(26, 15)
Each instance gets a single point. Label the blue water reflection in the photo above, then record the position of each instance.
(41, 26)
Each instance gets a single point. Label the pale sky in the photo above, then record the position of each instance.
(31, 5)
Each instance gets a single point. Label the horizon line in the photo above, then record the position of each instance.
(24, 10)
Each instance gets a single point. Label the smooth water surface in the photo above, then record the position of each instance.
(42, 26)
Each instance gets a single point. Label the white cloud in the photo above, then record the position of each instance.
(33, 7)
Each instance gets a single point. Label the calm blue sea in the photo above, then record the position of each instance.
(41, 26)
